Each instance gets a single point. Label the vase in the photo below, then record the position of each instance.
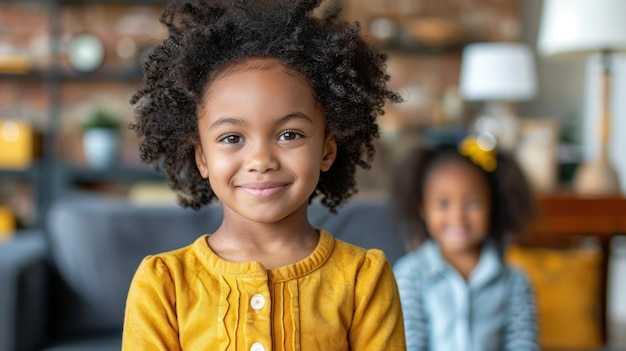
(101, 147)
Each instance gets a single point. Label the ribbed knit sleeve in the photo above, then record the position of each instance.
(410, 289)
(521, 325)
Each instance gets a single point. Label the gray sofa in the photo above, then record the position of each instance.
(65, 288)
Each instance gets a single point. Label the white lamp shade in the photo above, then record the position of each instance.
(575, 26)
(498, 71)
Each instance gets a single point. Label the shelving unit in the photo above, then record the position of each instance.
(54, 172)
(417, 66)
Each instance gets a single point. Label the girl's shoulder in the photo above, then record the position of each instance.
(518, 280)
(357, 254)
(174, 260)
(419, 261)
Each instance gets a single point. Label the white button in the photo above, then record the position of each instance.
(257, 346)
(257, 302)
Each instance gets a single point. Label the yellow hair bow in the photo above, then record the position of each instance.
(480, 150)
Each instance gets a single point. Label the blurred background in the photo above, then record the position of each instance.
(548, 89)
(68, 66)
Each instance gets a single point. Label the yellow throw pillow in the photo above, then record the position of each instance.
(567, 288)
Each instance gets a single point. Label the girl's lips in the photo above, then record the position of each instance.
(459, 232)
(263, 190)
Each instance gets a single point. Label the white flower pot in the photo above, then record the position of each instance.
(101, 146)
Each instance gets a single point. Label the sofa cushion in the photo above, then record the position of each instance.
(108, 342)
(567, 285)
(96, 245)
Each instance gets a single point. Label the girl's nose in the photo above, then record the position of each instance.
(457, 213)
(262, 159)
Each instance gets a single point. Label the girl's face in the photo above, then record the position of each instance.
(262, 141)
(457, 207)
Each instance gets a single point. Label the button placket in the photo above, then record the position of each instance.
(257, 329)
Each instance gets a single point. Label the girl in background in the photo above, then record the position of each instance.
(457, 207)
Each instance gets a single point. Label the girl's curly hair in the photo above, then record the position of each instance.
(205, 37)
(513, 203)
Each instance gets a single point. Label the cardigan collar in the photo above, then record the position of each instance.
(255, 270)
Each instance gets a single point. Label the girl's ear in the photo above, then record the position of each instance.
(201, 161)
(329, 153)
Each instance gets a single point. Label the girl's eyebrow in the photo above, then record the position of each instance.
(227, 120)
(242, 122)
(292, 116)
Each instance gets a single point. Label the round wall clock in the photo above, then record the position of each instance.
(85, 52)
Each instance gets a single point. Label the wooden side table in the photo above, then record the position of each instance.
(568, 214)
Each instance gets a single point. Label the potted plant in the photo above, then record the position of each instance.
(101, 134)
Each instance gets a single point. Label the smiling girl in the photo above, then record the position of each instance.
(460, 205)
(263, 106)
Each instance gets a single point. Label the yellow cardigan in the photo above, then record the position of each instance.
(341, 297)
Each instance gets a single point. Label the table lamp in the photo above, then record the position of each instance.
(584, 27)
(498, 74)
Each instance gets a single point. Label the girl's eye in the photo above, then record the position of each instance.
(231, 139)
(442, 204)
(473, 203)
(289, 135)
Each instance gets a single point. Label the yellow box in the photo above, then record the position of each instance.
(7, 223)
(16, 144)
(17, 64)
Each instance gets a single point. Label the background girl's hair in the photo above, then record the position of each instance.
(513, 201)
(204, 37)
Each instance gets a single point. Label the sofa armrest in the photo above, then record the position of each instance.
(23, 291)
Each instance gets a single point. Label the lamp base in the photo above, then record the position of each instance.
(500, 121)
(596, 178)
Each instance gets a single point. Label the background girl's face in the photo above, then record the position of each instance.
(457, 207)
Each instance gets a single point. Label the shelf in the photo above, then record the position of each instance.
(88, 175)
(32, 75)
(99, 76)
(18, 174)
(147, 2)
(417, 48)
(128, 75)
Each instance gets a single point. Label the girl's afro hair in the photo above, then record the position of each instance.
(205, 37)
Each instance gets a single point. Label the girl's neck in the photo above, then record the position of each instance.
(273, 244)
(464, 262)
